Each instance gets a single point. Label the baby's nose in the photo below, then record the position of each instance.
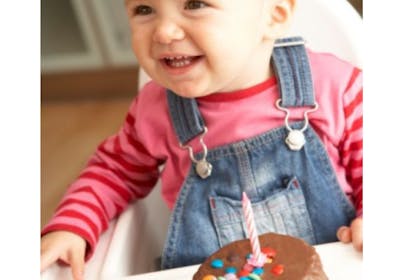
(167, 31)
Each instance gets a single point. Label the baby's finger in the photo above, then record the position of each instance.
(344, 234)
(357, 234)
(77, 264)
(48, 257)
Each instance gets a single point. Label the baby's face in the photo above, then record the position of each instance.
(196, 48)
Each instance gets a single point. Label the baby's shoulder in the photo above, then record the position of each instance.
(329, 70)
(324, 62)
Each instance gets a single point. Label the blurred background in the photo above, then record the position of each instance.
(88, 78)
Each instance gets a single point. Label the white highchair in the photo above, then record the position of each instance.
(134, 241)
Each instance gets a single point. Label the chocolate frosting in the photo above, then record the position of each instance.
(299, 259)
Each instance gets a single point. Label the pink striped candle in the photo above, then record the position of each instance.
(258, 258)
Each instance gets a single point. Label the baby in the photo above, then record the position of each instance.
(230, 109)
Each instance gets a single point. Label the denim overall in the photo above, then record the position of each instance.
(293, 191)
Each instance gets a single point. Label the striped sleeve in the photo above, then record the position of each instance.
(120, 171)
(352, 143)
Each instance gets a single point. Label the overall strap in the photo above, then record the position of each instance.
(186, 117)
(292, 70)
(293, 73)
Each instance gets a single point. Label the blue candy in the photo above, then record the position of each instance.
(230, 269)
(258, 271)
(217, 263)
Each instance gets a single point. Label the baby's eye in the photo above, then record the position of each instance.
(194, 4)
(142, 10)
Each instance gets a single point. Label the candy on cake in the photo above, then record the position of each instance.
(266, 257)
(287, 257)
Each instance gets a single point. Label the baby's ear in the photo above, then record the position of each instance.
(279, 14)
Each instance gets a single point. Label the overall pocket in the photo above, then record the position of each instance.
(284, 211)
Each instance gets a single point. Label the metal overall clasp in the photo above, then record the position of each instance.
(202, 167)
(295, 139)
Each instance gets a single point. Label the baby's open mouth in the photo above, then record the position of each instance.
(180, 61)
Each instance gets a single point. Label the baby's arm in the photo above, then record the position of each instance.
(120, 171)
(352, 156)
(353, 233)
(64, 246)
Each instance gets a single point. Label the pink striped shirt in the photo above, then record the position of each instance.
(125, 166)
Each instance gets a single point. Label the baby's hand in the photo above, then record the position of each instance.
(65, 246)
(354, 234)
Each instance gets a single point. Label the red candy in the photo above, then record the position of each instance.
(269, 252)
(243, 272)
(277, 269)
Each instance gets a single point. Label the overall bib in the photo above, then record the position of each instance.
(293, 190)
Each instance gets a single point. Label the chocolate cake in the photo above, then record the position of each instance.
(287, 258)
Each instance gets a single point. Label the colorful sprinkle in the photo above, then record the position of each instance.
(217, 263)
(209, 277)
(253, 276)
(269, 252)
(230, 269)
(231, 276)
(258, 271)
(243, 272)
(277, 269)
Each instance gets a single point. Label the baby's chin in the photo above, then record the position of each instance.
(189, 90)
